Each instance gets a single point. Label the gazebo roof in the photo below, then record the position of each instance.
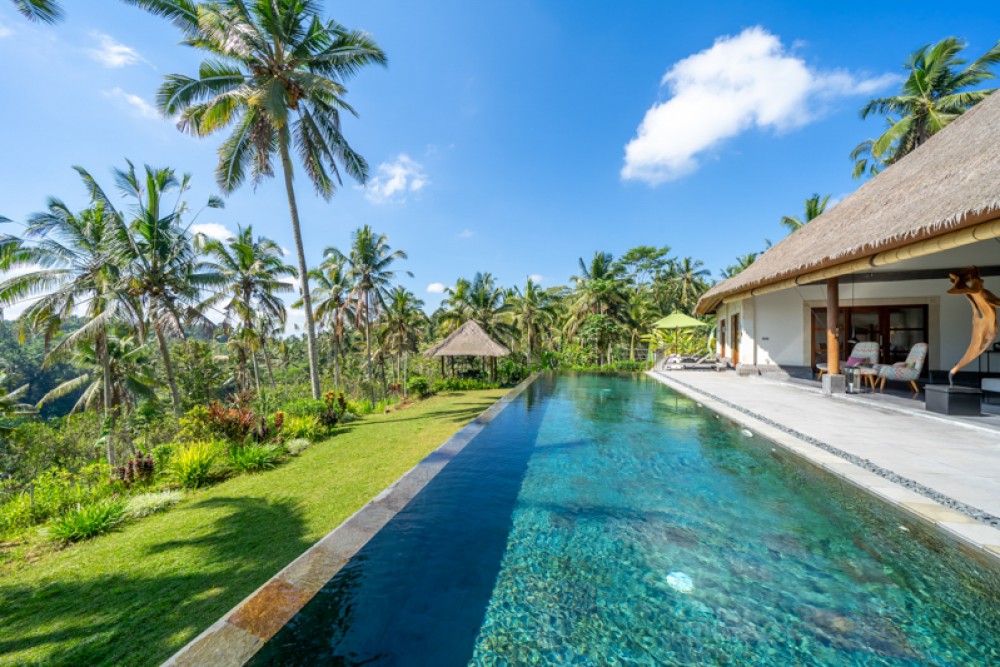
(469, 340)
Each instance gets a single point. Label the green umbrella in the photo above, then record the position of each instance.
(677, 321)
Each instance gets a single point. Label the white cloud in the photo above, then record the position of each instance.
(742, 82)
(112, 53)
(138, 105)
(396, 179)
(535, 278)
(5, 31)
(466, 234)
(436, 288)
(212, 230)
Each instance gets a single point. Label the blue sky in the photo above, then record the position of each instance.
(497, 135)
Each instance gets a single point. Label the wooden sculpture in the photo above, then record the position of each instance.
(984, 314)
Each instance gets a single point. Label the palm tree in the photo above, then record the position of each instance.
(71, 266)
(368, 271)
(276, 77)
(688, 282)
(10, 405)
(251, 270)
(403, 324)
(815, 206)
(330, 296)
(43, 11)
(742, 264)
(533, 313)
(158, 254)
(598, 290)
(936, 92)
(481, 300)
(128, 382)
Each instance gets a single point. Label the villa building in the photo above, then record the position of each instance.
(878, 263)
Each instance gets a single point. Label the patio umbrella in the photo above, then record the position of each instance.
(678, 321)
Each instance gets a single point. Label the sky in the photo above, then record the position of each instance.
(509, 136)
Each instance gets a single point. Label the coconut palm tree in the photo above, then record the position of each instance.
(333, 310)
(69, 265)
(128, 382)
(533, 313)
(368, 270)
(481, 300)
(403, 327)
(688, 282)
(251, 271)
(276, 78)
(598, 290)
(158, 253)
(937, 90)
(42, 11)
(743, 262)
(815, 206)
(10, 405)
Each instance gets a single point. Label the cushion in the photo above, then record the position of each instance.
(854, 361)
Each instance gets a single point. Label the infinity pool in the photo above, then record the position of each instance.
(604, 520)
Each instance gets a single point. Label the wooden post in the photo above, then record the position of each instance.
(832, 329)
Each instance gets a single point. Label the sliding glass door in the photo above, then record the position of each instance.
(895, 328)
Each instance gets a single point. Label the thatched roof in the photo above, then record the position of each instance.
(950, 182)
(469, 340)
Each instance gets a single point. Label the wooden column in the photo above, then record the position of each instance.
(832, 332)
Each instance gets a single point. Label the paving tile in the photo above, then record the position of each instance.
(224, 645)
(269, 609)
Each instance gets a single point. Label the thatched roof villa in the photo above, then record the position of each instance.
(880, 260)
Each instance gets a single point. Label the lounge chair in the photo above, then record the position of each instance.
(863, 358)
(677, 362)
(905, 371)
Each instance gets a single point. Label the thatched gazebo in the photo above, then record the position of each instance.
(469, 340)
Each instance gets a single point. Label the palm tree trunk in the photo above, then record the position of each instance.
(256, 372)
(168, 367)
(368, 351)
(102, 350)
(267, 362)
(286, 164)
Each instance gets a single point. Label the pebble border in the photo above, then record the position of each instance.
(907, 483)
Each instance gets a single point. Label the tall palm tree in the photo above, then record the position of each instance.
(743, 262)
(689, 282)
(10, 405)
(368, 269)
(330, 296)
(482, 300)
(815, 206)
(533, 313)
(598, 290)
(71, 266)
(158, 253)
(251, 270)
(403, 326)
(128, 382)
(935, 92)
(42, 11)
(276, 77)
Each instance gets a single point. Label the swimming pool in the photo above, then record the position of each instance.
(609, 520)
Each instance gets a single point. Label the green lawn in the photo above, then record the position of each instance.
(136, 596)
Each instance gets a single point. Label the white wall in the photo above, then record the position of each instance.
(776, 327)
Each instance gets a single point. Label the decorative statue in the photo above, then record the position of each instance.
(984, 314)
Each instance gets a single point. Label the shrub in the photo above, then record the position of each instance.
(86, 521)
(419, 386)
(297, 446)
(150, 503)
(462, 384)
(305, 407)
(137, 470)
(194, 425)
(163, 454)
(308, 427)
(233, 424)
(192, 466)
(253, 458)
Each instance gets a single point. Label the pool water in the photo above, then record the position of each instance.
(607, 520)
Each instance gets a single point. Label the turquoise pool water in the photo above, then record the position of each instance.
(610, 521)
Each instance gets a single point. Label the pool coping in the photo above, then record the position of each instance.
(242, 631)
(976, 538)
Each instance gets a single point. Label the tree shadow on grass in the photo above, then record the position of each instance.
(141, 612)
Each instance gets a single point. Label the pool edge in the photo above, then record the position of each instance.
(973, 537)
(236, 637)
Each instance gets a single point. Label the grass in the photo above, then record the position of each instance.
(138, 595)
